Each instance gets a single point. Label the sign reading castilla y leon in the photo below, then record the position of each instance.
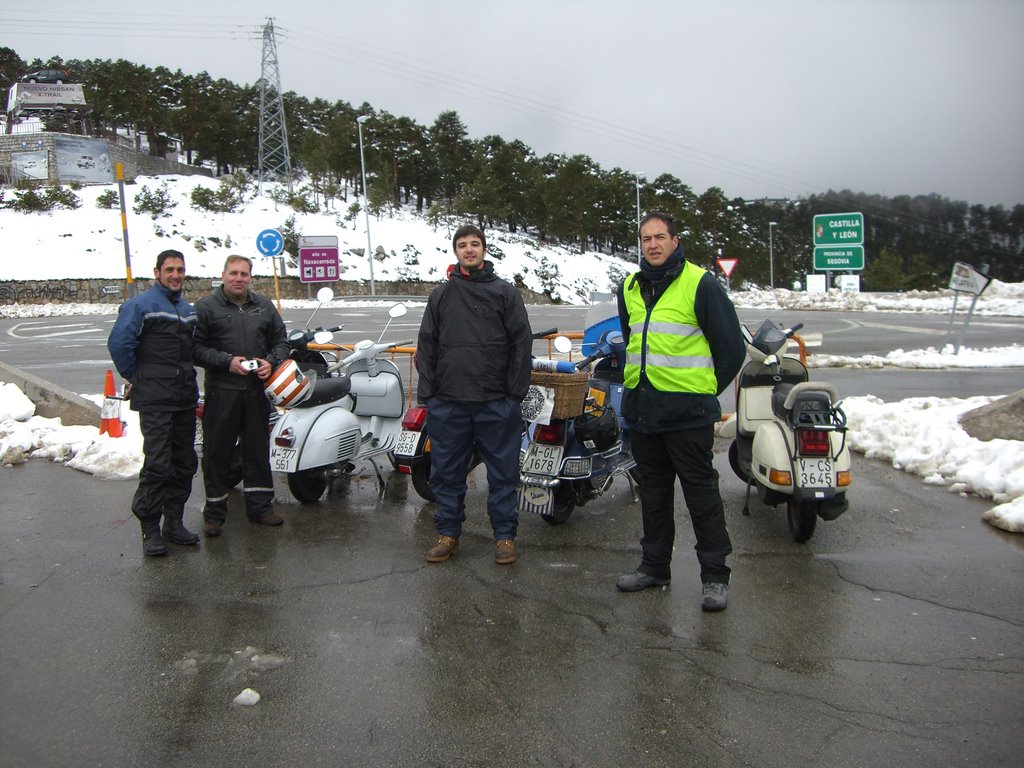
(839, 229)
(839, 241)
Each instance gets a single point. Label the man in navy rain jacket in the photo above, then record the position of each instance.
(151, 346)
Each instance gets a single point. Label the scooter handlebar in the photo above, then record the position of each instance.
(794, 329)
(542, 334)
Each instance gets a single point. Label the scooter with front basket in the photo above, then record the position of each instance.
(328, 422)
(789, 434)
(571, 454)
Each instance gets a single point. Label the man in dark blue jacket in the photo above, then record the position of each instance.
(151, 346)
(473, 360)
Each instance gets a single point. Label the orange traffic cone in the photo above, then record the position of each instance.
(110, 413)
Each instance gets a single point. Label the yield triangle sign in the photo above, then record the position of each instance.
(727, 265)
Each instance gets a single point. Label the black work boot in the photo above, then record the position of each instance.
(176, 533)
(152, 544)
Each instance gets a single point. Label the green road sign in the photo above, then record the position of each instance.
(848, 257)
(839, 229)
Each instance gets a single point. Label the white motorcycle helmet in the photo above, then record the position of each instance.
(288, 386)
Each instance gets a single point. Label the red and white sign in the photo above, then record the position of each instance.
(727, 265)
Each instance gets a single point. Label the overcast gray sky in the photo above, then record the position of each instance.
(776, 99)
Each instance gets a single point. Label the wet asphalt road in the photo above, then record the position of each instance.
(894, 637)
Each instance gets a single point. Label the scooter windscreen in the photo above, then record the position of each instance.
(769, 338)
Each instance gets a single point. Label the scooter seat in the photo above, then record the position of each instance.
(327, 390)
(779, 394)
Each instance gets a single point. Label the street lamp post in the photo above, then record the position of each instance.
(771, 254)
(366, 208)
(638, 251)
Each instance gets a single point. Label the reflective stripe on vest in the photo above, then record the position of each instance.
(669, 345)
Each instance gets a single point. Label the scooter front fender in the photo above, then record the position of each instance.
(728, 429)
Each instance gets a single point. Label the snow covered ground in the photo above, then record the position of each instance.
(919, 435)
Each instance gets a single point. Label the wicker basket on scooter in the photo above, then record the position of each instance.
(570, 391)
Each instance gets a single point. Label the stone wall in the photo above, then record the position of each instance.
(113, 291)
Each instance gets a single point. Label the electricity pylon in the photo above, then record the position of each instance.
(275, 162)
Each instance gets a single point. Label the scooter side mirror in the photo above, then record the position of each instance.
(397, 310)
(562, 344)
(323, 337)
(324, 295)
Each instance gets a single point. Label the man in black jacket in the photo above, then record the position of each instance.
(240, 338)
(683, 348)
(151, 346)
(473, 360)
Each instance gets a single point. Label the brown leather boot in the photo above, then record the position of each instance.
(505, 552)
(446, 547)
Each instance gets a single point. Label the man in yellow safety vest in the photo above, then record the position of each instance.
(683, 348)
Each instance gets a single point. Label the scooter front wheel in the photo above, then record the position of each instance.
(308, 485)
(802, 517)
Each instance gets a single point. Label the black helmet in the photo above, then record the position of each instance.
(598, 429)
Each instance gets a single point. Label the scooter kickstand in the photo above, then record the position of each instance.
(381, 485)
(746, 500)
(632, 488)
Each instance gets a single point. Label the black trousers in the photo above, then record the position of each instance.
(687, 455)
(165, 480)
(230, 415)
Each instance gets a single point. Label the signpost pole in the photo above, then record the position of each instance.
(124, 231)
(277, 286)
(967, 321)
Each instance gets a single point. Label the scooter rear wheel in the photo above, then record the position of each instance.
(307, 485)
(802, 516)
(421, 479)
(563, 506)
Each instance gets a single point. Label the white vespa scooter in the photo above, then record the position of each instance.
(327, 423)
(789, 434)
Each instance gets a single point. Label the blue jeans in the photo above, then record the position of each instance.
(494, 428)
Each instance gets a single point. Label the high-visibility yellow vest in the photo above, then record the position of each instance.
(669, 345)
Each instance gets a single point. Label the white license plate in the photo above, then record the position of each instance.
(542, 460)
(407, 442)
(283, 459)
(534, 500)
(816, 473)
